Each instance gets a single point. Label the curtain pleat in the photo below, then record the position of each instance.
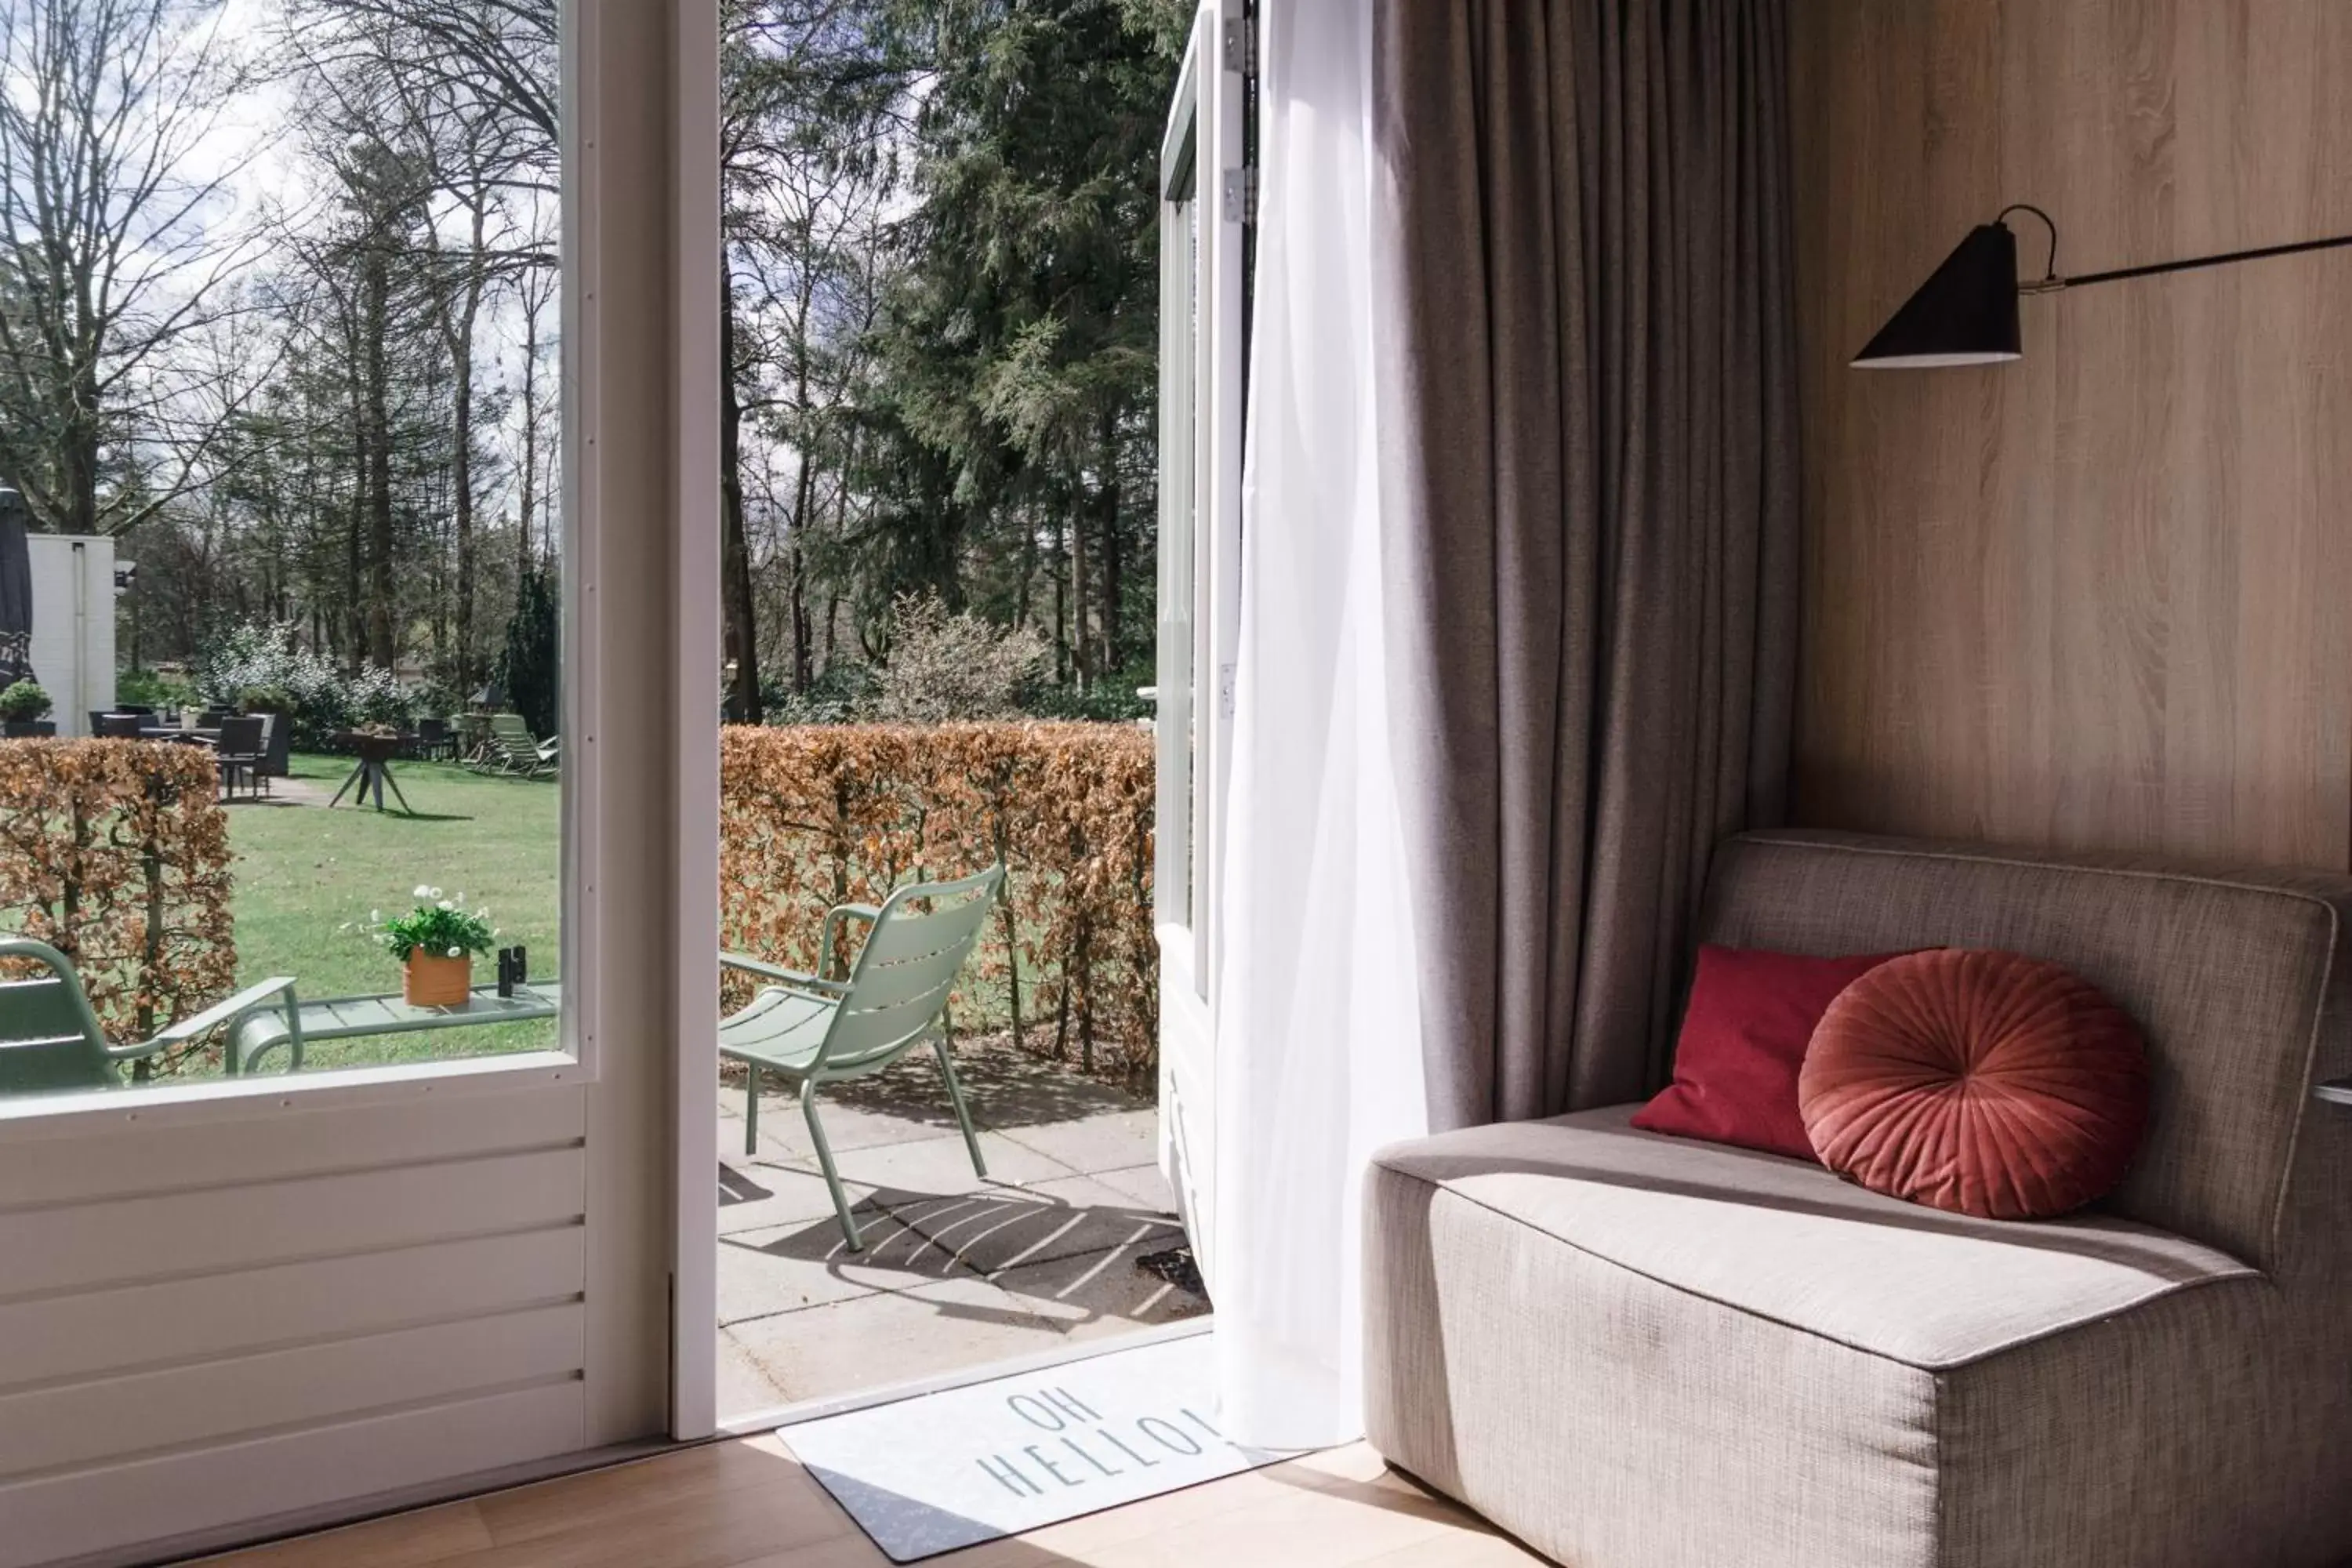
(1584, 360)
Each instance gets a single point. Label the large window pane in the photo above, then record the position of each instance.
(281, 542)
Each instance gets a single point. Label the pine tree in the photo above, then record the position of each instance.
(528, 669)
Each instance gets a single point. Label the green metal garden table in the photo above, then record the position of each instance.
(350, 1017)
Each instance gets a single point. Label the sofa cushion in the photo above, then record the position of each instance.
(2227, 974)
(1751, 1015)
(1985, 1083)
(1788, 1241)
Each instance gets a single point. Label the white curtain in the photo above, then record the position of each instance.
(1318, 1035)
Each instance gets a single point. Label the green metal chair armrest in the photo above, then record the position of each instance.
(220, 1012)
(134, 1053)
(791, 978)
(832, 921)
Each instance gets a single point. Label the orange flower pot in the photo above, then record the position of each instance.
(433, 982)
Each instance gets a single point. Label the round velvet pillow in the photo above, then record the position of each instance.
(1985, 1083)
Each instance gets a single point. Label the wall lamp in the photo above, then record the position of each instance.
(1966, 313)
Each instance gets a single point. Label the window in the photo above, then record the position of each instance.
(286, 510)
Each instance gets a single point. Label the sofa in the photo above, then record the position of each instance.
(1633, 1350)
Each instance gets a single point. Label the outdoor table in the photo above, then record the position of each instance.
(374, 768)
(350, 1017)
(173, 732)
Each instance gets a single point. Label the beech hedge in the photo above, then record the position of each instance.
(814, 816)
(116, 853)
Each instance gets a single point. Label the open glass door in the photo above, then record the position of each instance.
(1206, 198)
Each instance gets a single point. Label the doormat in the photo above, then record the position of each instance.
(950, 1470)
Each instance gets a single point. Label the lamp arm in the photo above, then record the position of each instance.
(2050, 269)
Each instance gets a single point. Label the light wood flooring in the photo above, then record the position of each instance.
(746, 1504)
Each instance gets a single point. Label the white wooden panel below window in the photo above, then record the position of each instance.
(83, 1424)
(81, 1166)
(197, 1328)
(60, 1338)
(87, 1246)
(116, 1506)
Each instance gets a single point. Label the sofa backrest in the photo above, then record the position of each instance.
(2234, 978)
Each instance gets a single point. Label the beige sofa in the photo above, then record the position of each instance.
(1634, 1351)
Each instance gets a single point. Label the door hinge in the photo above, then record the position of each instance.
(1241, 45)
(1241, 195)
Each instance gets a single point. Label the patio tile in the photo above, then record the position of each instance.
(790, 1267)
(744, 1386)
(1143, 1185)
(941, 1166)
(892, 1337)
(959, 1271)
(993, 1231)
(1097, 1294)
(784, 1134)
(1116, 1141)
(753, 1196)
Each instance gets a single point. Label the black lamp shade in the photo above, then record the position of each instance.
(1966, 313)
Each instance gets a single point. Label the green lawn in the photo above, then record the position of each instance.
(307, 879)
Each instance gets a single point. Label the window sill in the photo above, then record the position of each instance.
(35, 1118)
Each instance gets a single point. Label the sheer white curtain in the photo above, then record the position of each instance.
(1318, 1034)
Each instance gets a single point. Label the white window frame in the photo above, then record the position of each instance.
(212, 1101)
(1205, 193)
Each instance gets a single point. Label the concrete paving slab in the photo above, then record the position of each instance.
(893, 1336)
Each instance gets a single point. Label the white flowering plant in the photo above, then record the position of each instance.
(321, 696)
(437, 927)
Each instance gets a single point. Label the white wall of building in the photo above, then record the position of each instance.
(73, 625)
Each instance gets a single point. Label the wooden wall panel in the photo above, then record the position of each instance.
(2097, 598)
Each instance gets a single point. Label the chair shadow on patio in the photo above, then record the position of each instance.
(958, 1270)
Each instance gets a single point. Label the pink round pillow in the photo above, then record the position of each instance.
(1984, 1083)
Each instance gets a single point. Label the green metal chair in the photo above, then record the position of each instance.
(50, 1034)
(808, 1030)
(514, 750)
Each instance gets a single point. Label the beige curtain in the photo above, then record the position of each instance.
(1583, 294)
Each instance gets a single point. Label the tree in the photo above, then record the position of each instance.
(112, 249)
(528, 668)
(810, 92)
(1019, 338)
(500, 57)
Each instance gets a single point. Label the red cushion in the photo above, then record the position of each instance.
(1985, 1083)
(1744, 1035)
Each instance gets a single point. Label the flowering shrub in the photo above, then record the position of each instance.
(321, 695)
(437, 925)
(945, 666)
(816, 816)
(116, 853)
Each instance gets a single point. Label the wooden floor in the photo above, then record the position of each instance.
(746, 1504)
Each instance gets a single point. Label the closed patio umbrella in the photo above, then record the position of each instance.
(16, 591)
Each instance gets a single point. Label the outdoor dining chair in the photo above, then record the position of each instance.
(118, 726)
(50, 1037)
(240, 754)
(808, 1029)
